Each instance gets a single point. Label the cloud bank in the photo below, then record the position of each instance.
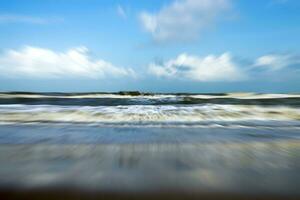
(183, 19)
(33, 62)
(276, 62)
(203, 69)
(224, 68)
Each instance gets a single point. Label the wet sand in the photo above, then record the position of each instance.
(223, 170)
(149, 147)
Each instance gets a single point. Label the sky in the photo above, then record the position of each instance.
(151, 46)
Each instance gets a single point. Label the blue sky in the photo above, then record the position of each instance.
(157, 45)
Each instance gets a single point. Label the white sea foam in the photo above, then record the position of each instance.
(146, 113)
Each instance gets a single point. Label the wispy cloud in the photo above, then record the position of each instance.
(13, 18)
(121, 12)
(33, 62)
(183, 19)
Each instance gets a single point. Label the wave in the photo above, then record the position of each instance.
(148, 114)
(115, 99)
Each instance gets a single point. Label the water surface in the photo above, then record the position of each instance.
(237, 143)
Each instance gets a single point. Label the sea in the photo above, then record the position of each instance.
(238, 143)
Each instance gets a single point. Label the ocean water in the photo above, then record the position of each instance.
(235, 142)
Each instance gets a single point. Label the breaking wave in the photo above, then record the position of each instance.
(146, 108)
(146, 114)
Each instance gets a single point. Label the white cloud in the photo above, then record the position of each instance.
(12, 18)
(36, 62)
(183, 19)
(194, 68)
(121, 12)
(276, 61)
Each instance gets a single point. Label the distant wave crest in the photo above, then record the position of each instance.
(116, 99)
